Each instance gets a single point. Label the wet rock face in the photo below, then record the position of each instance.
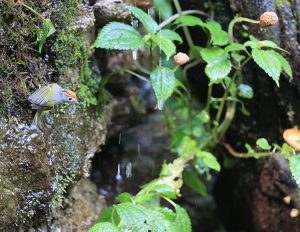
(36, 168)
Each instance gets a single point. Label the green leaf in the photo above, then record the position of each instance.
(217, 72)
(235, 47)
(51, 28)
(294, 163)
(218, 36)
(171, 35)
(43, 33)
(245, 91)
(166, 45)
(163, 83)
(118, 36)
(213, 55)
(188, 20)
(267, 61)
(263, 144)
(209, 160)
(286, 148)
(269, 44)
(124, 197)
(138, 218)
(284, 63)
(187, 147)
(237, 57)
(183, 222)
(194, 183)
(147, 21)
(104, 227)
(218, 66)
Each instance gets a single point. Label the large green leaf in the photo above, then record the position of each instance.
(118, 36)
(294, 163)
(268, 62)
(147, 21)
(213, 55)
(218, 36)
(104, 227)
(183, 222)
(235, 47)
(188, 20)
(171, 35)
(165, 44)
(163, 83)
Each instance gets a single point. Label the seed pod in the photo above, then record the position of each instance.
(292, 137)
(181, 58)
(268, 19)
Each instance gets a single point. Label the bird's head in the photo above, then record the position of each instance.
(69, 96)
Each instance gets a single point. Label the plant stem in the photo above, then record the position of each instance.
(185, 29)
(137, 75)
(238, 20)
(175, 16)
(32, 10)
(234, 153)
(140, 67)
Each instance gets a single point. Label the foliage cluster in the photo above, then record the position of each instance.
(195, 129)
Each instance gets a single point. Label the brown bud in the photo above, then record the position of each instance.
(268, 19)
(181, 58)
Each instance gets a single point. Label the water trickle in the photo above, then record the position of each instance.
(129, 170)
(160, 105)
(159, 21)
(134, 55)
(139, 149)
(118, 176)
(120, 137)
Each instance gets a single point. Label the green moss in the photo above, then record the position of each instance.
(282, 2)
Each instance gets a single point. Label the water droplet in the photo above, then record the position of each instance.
(128, 170)
(120, 137)
(139, 149)
(134, 55)
(118, 176)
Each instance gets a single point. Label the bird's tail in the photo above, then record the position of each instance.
(40, 120)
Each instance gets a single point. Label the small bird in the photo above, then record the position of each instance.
(45, 98)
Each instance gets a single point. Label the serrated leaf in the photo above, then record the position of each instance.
(188, 20)
(124, 197)
(104, 227)
(171, 35)
(294, 163)
(218, 36)
(183, 222)
(118, 36)
(245, 91)
(268, 62)
(163, 83)
(218, 66)
(194, 183)
(138, 218)
(147, 21)
(284, 63)
(217, 72)
(263, 144)
(166, 45)
(269, 44)
(235, 47)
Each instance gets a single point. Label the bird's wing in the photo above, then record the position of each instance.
(41, 96)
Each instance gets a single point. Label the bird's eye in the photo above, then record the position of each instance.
(70, 99)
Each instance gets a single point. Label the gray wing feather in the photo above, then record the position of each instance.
(40, 96)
